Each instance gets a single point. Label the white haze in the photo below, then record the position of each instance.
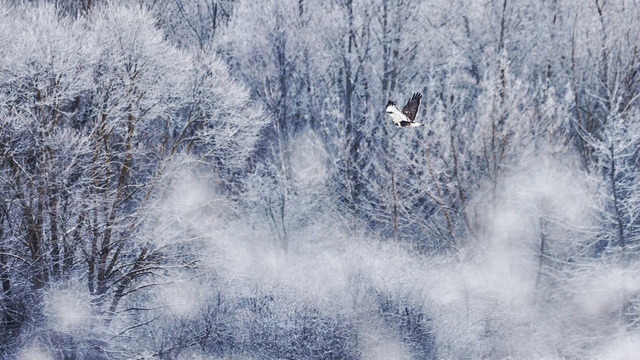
(68, 309)
(34, 352)
(484, 303)
(308, 160)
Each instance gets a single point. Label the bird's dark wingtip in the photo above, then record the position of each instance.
(416, 95)
(390, 103)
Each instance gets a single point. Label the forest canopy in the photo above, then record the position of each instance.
(219, 179)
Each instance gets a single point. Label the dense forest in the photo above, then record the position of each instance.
(219, 179)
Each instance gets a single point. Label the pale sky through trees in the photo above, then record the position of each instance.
(219, 179)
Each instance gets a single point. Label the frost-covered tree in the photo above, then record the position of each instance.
(97, 112)
(605, 63)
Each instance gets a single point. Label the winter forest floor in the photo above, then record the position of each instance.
(218, 179)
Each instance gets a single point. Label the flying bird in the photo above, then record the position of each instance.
(406, 117)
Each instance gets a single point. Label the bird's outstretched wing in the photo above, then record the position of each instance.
(411, 109)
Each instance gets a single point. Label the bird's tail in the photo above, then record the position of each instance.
(414, 124)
